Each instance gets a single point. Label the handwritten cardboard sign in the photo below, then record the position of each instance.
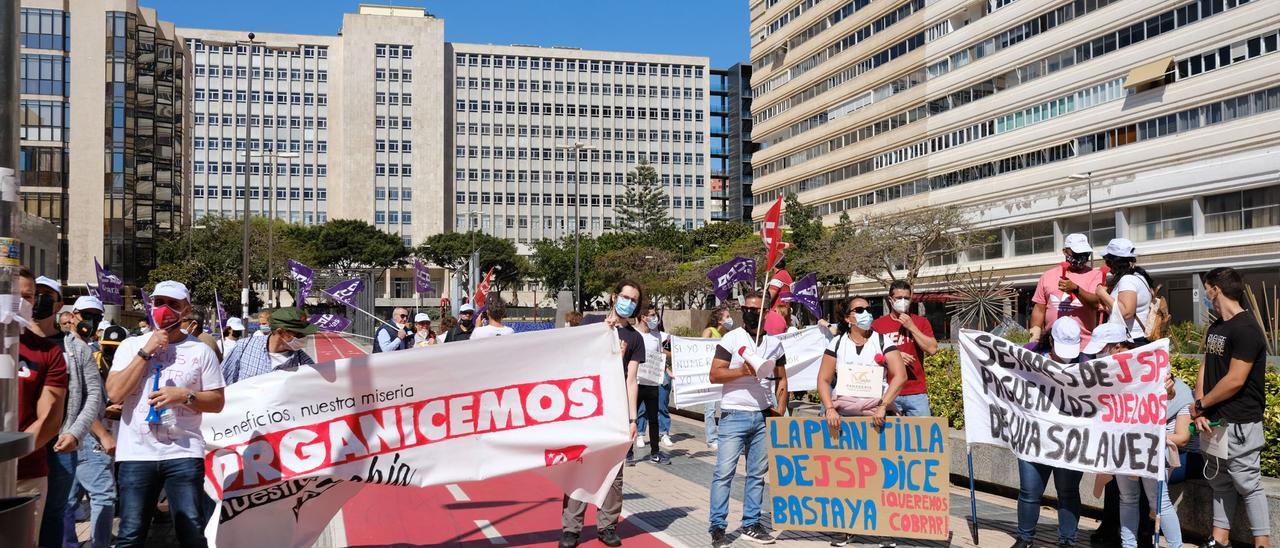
(893, 482)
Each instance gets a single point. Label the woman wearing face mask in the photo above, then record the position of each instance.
(1127, 293)
(858, 352)
(653, 394)
(719, 323)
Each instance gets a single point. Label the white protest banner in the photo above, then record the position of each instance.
(1103, 416)
(654, 367)
(290, 447)
(691, 365)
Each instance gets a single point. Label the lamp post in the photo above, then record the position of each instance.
(271, 219)
(577, 147)
(1087, 176)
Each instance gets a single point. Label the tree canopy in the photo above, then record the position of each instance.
(645, 206)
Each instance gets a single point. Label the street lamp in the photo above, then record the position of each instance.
(271, 222)
(1086, 176)
(577, 147)
(249, 46)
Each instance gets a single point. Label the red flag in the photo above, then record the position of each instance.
(771, 233)
(482, 291)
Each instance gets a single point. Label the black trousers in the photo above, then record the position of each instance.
(648, 395)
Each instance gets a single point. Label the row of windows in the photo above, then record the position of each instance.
(550, 223)
(43, 120)
(512, 198)
(305, 217)
(393, 194)
(595, 111)
(227, 191)
(1050, 64)
(782, 20)
(393, 75)
(393, 122)
(393, 98)
(615, 90)
(393, 170)
(779, 52)
(304, 51)
(240, 96)
(213, 168)
(595, 177)
(43, 74)
(631, 157)
(44, 29)
(595, 133)
(231, 143)
(296, 75)
(291, 122)
(579, 65)
(393, 51)
(392, 217)
(383, 145)
(1252, 104)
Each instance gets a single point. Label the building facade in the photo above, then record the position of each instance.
(1160, 118)
(342, 127)
(119, 187)
(512, 110)
(731, 145)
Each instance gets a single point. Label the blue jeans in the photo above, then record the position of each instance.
(1130, 490)
(93, 476)
(739, 431)
(140, 484)
(1033, 478)
(915, 405)
(711, 421)
(664, 415)
(62, 473)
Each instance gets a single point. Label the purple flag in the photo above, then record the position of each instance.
(724, 276)
(93, 292)
(345, 292)
(302, 274)
(330, 322)
(805, 292)
(421, 278)
(146, 308)
(108, 285)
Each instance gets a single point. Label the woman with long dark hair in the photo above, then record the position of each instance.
(1127, 291)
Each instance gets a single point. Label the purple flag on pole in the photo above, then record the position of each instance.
(805, 292)
(723, 277)
(108, 285)
(330, 322)
(302, 274)
(146, 308)
(93, 292)
(421, 278)
(345, 292)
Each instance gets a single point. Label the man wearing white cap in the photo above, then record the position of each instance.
(231, 335)
(422, 333)
(88, 312)
(466, 322)
(1067, 290)
(169, 452)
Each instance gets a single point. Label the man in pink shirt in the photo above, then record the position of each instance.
(1068, 290)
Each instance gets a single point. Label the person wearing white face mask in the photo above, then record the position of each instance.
(718, 324)
(913, 336)
(653, 393)
(278, 350)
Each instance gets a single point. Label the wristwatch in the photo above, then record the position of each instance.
(145, 356)
(191, 397)
(1199, 408)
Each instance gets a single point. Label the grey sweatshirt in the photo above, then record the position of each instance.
(85, 396)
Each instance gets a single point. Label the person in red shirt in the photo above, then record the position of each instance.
(42, 390)
(777, 319)
(913, 335)
(1068, 290)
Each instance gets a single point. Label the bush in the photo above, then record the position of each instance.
(1185, 338)
(946, 397)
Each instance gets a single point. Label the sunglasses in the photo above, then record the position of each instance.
(752, 308)
(858, 310)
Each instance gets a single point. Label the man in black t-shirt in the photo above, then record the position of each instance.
(1231, 393)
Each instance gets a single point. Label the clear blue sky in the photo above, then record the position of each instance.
(712, 28)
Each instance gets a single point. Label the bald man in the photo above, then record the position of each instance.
(397, 335)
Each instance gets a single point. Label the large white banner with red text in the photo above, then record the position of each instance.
(1103, 416)
(291, 447)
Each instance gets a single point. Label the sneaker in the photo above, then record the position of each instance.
(717, 537)
(841, 539)
(639, 442)
(758, 534)
(1022, 544)
(659, 458)
(568, 540)
(666, 441)
(1213, 544)
(714, 446)
(888, 544)
(609, 537)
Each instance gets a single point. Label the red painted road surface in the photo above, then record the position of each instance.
(519, 510)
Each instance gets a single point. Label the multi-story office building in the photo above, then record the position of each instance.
(346, 126)
(513, 109)
(731, 146)
(119, 87)
(1160, 117)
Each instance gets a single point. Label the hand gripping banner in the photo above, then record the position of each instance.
(292, 446)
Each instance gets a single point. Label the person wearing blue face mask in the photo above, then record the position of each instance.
(654, 392)
(626, 299)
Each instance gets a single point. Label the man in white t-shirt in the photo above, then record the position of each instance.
(748, 399)
(167, 451)
(496, 311)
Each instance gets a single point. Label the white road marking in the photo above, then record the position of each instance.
(457, 493)
(653, 531)
(489, 532)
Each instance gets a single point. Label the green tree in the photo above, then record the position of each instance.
(644, 206)
(897, 245)
(804, 223)
(211, 258)
(350, 244)
(553, 262)
(452, 251)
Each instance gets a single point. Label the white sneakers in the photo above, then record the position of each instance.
(639, 442)
(666, 441)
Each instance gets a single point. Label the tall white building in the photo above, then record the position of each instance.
(1161, 117)
(512, 109)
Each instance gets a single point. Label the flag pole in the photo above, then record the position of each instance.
(366, 313)
(973, 497)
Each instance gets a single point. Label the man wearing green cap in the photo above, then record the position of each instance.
(281, 349)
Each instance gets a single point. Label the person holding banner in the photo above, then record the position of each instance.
(852, 378)
(746, 362)
(282, 349)
(1229, 406)
(160, 444)
(654, 384)
(626, 298)
(718, 324)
